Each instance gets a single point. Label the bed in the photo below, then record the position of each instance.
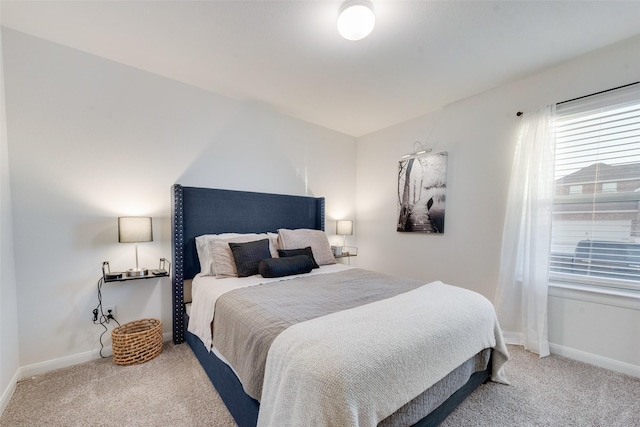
(201, 211)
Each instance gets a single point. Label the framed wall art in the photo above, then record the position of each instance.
(422, 184)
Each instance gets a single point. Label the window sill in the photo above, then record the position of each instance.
(599, 295)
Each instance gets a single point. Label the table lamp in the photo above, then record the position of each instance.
(344, 228)
(134, 229)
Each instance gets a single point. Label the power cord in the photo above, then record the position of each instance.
(100, 318)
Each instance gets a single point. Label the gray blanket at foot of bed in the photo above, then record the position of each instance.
(247, 320)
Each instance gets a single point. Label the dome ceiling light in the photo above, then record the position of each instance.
(356, 20)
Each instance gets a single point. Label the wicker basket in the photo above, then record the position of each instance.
(137, 341)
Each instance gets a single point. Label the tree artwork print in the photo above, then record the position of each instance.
(422, 183)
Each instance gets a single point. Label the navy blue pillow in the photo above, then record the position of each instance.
(280, 267)
(248, 255)
(293, 252)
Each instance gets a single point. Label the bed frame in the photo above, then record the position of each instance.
(198, 211)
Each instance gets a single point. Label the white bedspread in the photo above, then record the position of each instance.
(356, 367)
(207, 290)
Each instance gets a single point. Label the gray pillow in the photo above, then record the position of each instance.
(303, 237)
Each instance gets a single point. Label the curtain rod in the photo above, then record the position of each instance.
(519, 113)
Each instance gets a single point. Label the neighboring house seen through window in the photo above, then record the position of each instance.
(596, 216)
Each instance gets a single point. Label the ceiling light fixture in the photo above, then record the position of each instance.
(356, 20)
(418, 150)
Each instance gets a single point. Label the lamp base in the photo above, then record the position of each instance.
(137, 272)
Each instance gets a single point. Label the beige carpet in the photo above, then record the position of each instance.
(173, 390)
(170, 390)
(552, 391)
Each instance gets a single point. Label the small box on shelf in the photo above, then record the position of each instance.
(349, 251)
(344, 251)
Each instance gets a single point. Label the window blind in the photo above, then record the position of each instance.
(596, 216)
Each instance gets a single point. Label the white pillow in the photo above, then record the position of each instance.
(202, 248)
(205, 257)
(303, 237)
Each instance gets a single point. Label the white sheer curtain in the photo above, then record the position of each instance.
(521, 297)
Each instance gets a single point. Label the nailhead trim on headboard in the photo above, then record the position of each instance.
(177, 230)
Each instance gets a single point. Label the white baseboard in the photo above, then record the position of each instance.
(8, 392)
(62, 362)
(75, 359)
(594, 359)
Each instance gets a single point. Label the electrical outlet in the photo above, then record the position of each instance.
(108, 308)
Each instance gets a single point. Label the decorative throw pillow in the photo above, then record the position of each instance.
(280, 267)
(247, 256)
(303, 237)
(273, 244)
(293, 252)
(221, 256)
(204, 252)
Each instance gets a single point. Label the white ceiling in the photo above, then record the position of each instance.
(288, 56)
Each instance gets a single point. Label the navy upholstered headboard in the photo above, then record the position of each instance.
(196, 211)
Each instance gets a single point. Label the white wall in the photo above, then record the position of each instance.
(480, 133)
(91, 140)
(9, 363)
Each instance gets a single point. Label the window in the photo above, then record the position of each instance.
(609, 187)
(596, 216)
(575, 189)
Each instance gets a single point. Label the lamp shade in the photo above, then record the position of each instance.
(344, 227)
(132, 229)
